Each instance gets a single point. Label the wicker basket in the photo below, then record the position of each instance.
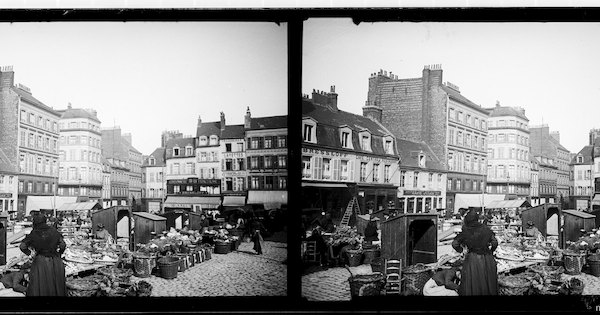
(573, 262)
(222, 248)
(366, 285)
(116, 274)
(168, 267)
(144, 288)
(377, 265)
(208, 253)
(82, 287)
(511, 285)
(143, 265)
(550, 271)
(370, 254)
(415, 279)
(354, 257)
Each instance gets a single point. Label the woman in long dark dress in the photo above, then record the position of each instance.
(479, 272)
(256, 227)
(47, 275)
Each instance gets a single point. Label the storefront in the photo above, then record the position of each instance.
(376, 197)
(192, 203)
(8, 204)
(329, 197)
(268, 199)
(420, 201)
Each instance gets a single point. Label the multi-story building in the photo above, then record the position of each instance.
(582, 183)
(106, 189)
(547, 179)
(508, 152)
(80, 154)
(207, 150)
(425, 110)
(134, 163)
(266, 154)
(534, 188)
(153, 181)
(345, 155)
(29, 139)
(233, 171)
(119, 182)
(547, 144)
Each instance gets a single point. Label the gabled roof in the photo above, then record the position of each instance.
(272, 122)
(499, 111)
(34, 101)
(128, 145)
(586, 153)
(560, 146)
(180, 142)
(461, 99)
(409, 155)
(208, 129)
(233, 132)
(159, 158)
(78, 113)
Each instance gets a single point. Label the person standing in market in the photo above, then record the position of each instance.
(256, 228)
(371, 234)
(47, 275)
(479, 274)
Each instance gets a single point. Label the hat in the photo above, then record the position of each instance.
(100, 225)
(530, 223)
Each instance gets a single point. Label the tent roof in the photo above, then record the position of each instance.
(77, 206)
(475, 200)
(515, 203)
(46, 202)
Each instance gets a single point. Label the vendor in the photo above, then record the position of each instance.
(204, 224)
(444, 282)
(16, 280)
(102, 233)
(371, 234)
(321, 246)
(532, 231)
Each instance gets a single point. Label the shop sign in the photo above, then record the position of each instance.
(178, 205)
(323, 152)
(233, 154)
(375, 159)
(421, 193)
(5, 195)
(235, 173)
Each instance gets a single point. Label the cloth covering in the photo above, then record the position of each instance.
(431, 288)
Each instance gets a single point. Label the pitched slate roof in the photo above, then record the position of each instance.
(409, 155)
(586, 153)
(329, 121)
(159, 158)
(233, 132)
(453, 94)
(34, 101)
(272, 122)
(208, 129)
(506, 111)
(180, 142)
(78, 113)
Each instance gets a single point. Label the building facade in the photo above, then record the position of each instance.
(508, 168)
(345, 155)
(154, 182)
(266, 161)
(119, 182)
(534, 188)
(582, 182)
(208, 155)
(233, 166)
(106, 189)
(9, 144)
(426, 110)
(80, 154)
(547, 179)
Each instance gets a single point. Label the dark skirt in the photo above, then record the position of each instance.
(479, 275)
(47, 277)
(257, 239)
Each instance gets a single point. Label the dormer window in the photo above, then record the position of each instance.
(176, 151)
(214, 140)
(151, 161)
(580, 159)
(346, 138)
(309, 130)
(388, 145)
(189, 151)
(203, 140)
(365, 140)
(422, 159)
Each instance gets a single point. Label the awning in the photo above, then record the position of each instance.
(271, 199)
(475, 200)
(325, 185)
(503, 204)
(189, 202)
(37, 203)
(234, 201)
(78, 206)
(596, 200)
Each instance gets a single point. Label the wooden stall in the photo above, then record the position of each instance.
(596, 213)
(176, 218)
(145, 223)
(195, 222)
(116, 220)
(3, 229)
(411, 237)
(545, 217)
(575, 221)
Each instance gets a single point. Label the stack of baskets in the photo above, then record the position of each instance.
(573, 262)
(513, 285)
(355, 257)
(366, 285)
(415, 278)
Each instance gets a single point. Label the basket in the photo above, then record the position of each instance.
(183, 262)
(144, 288)
(377, 264)
(222, 248)
(415, 278)
(572, 286)
(208, 253)
(511, 285)
(370, 254)
(549, 271)
(143, 265)
(168, 267)
(594, 263)
(366, 285)
(354, 257)
(573, 262)
(116, 274)
(82, 287)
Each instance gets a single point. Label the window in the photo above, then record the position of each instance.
(363, 172)
(254, 182)
(326, 168)
(450, 136)
(386, 174)
(580, 159)
(416, 180)
(345, 140)
(430, 180)
(344, 169)
(267, 161)
(476, 122)
(459, 138)
(375, 172)
(282, 141)
(282, 182)
(151, 161)
(451, 114)
(188, 151)
(254, 143)
(203, 156)
(269, 182)
(176, 168)
(176, 189)
(214, 140)
(468, 120)
(402, 178)
(365, 141)
(175, 151)
(189, 168)
(254, 162)
(467, 140)
(458, 182)
(23, 115)
(227, 147)
(228, 165)
(308, 133)
(282, 161)
(388, 145)
(203, 140)
(422, 160)
(268, 142)
(31, 119)
(20, 186)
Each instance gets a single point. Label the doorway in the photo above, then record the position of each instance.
(422, 242)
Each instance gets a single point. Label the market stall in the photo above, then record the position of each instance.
(145, 224)
(545, 217)
(116, 220)
(411, 237)
(574, 222)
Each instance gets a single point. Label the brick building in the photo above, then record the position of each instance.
(119, 148)
(346, 155)
(582, 183)
(80, 154)
(29, 140)
(426, 110)
(154, 184)
(508, 168)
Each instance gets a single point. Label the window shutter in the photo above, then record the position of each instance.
(336, 169)
(249, 165)
(313, 165)
(275, 162)
(320, 169)
(351, 171)
(261, 162)
(249, 143)
(261, 142)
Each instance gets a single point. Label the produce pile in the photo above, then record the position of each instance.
(171, 243)
(108, 282)
(513, 250)
(345, 235)
(589, 242)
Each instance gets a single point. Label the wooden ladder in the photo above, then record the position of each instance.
(350, 209)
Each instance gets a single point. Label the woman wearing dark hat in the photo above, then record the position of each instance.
(47, 275)
(479, 271)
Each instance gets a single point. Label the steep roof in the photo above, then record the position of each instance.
(208, 129)
(272, 122)
(233, 132)
(78, 113)
(159, 157)
(409, 155)
(499, 111)
(453, 94)
(330, 120)
(560, 146)
(586, 153)
(180, 142)
(34, 101)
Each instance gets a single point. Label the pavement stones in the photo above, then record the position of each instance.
(327, 285)
(239, 273)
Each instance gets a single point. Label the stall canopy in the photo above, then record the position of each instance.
(234, 201)
(270, 199)
(46, 202)
(596, 200)
(188, 202)
(475, 200)
(80, 206)
(503, 204)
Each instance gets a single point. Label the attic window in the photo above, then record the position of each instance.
(188, 151)
(365, 141)
(388, 145)
(214, 140)
(309, 133)
(175, 151)
(580, 159)
(203, 140)
(422, 160)
(151, 161)
(346, 138)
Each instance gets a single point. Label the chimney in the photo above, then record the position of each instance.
(372, 111)
(222, 121)
(248, 119)
(69, 106)
(332, 97)
(7, 77)
(432, 75)
(199, 120)
(555, 135)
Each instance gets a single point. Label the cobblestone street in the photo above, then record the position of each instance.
(327, 285)
(239, 273)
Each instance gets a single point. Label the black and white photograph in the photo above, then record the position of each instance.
(143, 159)
(449, 159)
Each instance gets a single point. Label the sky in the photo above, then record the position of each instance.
(147, 77)
(549, 69)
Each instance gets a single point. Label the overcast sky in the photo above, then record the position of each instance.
(147, 77)
(552, 70)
